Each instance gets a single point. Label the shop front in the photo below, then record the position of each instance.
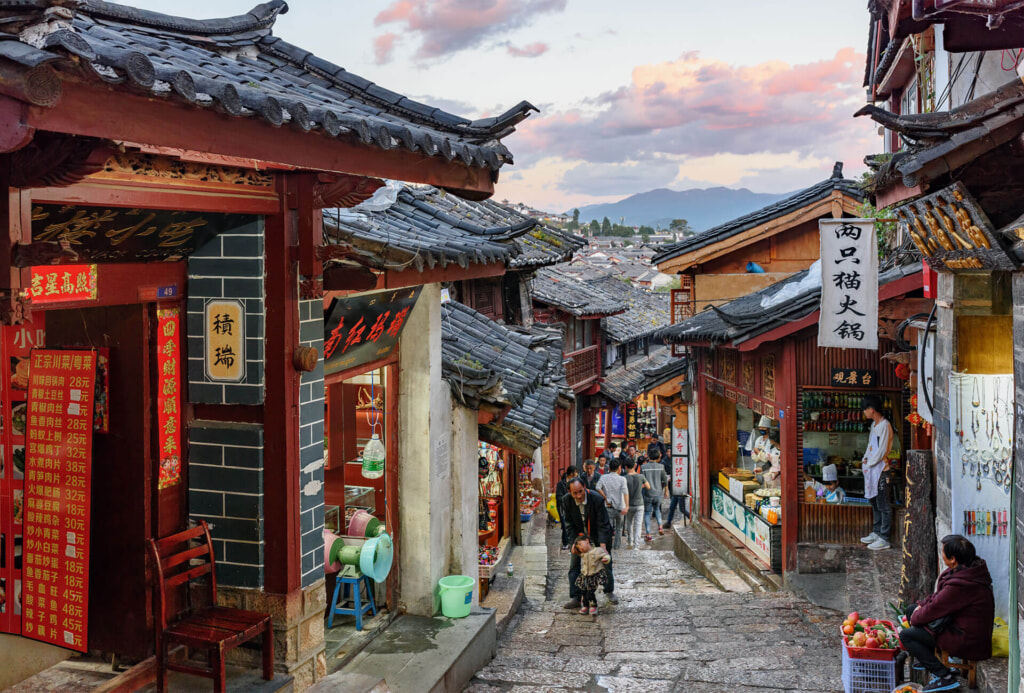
(775, 410)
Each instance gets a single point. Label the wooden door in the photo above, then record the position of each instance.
(123, 476)
(722, 434)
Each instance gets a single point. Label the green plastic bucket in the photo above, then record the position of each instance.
(456, 595)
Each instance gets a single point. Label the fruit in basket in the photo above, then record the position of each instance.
(871, 642)
(854, 617)
(858, 639)
(847, 629)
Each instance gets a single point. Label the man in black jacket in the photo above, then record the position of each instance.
(561, 493)
(585, 513)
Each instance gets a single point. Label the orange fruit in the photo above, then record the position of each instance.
(848, 630)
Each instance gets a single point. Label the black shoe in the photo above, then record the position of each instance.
(949, 682)
(612, 599)
(572, 604)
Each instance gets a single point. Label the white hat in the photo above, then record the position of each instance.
(765, 422)
(829, 473)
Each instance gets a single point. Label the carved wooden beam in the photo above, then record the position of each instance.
(16, 132)
(343, 190)
(341, 278)
(56, 160)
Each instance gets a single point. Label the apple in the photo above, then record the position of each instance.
(858, 639)
(853, 617)
(871, 643)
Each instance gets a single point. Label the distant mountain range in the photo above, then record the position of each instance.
(703, 208)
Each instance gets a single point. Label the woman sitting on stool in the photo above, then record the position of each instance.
(957, 618)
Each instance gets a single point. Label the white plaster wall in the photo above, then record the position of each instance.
(424, 450)
(464, 557)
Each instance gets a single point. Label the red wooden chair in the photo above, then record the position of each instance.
(211, 628)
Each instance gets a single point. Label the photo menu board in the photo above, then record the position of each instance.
(58, 473)
(16, 344)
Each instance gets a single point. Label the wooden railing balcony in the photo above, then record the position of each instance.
(584, 366)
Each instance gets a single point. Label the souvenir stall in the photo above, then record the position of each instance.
(498, 510)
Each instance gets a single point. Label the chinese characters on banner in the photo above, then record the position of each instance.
(849, 284)
(224, 331)
(366, 327)
(57, 497)
(62, 283)
(632, 430)
(17, 343)
(680, 462)
(854, 376)
(168, 396)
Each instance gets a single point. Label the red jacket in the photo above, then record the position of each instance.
(965, 594)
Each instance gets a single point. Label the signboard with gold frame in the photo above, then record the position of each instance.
(224, 336)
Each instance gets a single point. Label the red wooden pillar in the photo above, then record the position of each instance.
(282, 552)
(786, 392)
(704, 442)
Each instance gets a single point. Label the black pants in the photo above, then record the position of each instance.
(588, 598)
(921, 646)
(574, 572)
(882, 508)
(566, 539)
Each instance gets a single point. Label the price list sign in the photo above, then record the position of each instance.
(57, 497)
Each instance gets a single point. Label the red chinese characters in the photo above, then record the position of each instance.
(57, 497)
(168, 396)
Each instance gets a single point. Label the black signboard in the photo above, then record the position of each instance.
(854, 376)
(113, 234)
(365, 327)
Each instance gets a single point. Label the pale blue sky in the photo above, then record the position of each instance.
(665, 93)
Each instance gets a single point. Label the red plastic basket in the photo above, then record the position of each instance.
(876, 654)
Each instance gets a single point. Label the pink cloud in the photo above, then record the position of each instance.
(530, 50)
(448, 26)
(698, 106)
(384, 47)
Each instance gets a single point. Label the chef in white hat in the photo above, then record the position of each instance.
(758, 442)
(829, 488)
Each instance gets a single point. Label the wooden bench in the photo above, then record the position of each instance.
(966, 667)
(212, 628)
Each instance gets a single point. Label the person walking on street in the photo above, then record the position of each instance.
(658, 481)
(585, 514)
(616, 495)
(561, 491)
(628, 454)
(876, 473)
(636, 484)
(592, 573)
(590, 475)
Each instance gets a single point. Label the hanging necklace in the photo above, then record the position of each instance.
(975, 400)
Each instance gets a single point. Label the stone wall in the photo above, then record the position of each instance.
(311, 444)
(945, 360)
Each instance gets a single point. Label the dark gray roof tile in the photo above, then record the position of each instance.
(639, 375)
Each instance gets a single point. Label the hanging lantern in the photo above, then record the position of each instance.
(373, 458)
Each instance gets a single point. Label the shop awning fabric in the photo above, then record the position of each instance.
(642, 374)
(746, 318)
(238, 67)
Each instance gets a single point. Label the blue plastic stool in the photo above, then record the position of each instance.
(354, 586)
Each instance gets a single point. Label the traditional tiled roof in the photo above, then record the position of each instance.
(939, 143)
(578, 298)
(745, 318)
(625, 383)
(647, 312)
(484, 361)
(428, 227)
(815, 193)
(237, 66)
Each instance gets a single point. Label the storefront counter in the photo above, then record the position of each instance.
(831, 523)
(762, 538)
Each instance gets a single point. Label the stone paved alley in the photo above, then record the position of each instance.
(672, 631)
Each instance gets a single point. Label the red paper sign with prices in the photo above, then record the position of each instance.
(680, 462)
(58, 482)
(168, 398)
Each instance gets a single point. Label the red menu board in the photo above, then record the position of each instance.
(58, 478)
(16, 343)
(168, 397)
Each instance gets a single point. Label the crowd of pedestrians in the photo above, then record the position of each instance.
(616, 502)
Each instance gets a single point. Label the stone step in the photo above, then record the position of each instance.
(692, 548)
(416, 654)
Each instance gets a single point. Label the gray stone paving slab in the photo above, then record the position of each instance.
(673, 630)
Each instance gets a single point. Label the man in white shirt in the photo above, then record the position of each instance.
(876, 473)
(613, 487)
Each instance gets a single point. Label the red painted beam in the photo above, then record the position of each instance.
(109, 193)
(115, 115)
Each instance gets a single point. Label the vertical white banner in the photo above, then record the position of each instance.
(680, 461)
(849, 284)
(925, 374)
